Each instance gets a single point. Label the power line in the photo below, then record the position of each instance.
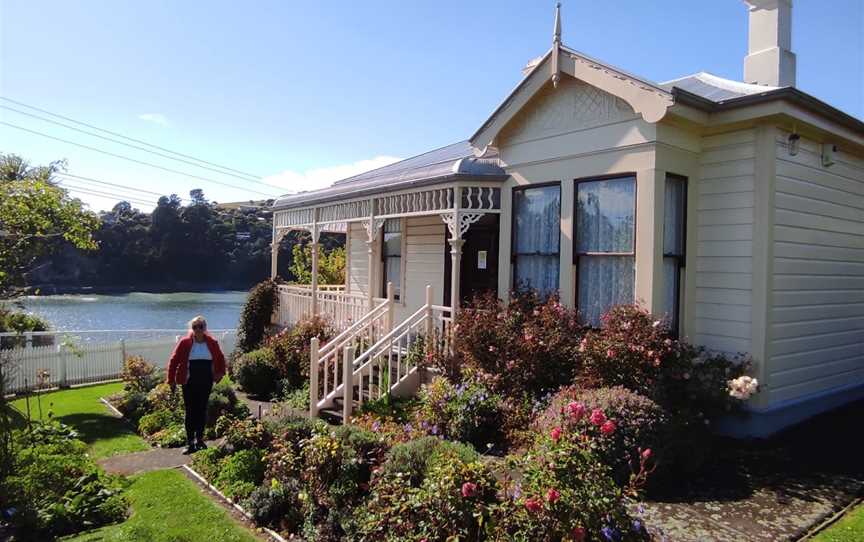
(130, 145)
(135, 160)
(107, 195)
(105, 191)
(126, 137)
(106, 183)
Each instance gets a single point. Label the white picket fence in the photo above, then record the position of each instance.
(58, 359)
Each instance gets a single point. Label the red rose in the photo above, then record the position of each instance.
(533, 505)
(552, 495)
(469, 489)
(608, 428)
(597, 417)
(577, 410)
(578, 534)
(556, 434)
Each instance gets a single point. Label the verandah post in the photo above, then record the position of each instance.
(388, 325)
(348, 384)
(313, 377)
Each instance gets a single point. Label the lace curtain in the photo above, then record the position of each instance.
(537, 238)
(605, 234)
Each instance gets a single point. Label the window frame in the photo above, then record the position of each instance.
(513, 253)
(675, 323)
(397, 296)
(576, 253)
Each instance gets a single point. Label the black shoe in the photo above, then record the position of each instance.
(200, 445)
(191, 449)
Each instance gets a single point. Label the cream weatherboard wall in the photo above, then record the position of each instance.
(724, 214)
(423, 250)
(816, 330)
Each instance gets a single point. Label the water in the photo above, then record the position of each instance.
(137, 310)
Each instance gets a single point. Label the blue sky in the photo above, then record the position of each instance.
(314, 91)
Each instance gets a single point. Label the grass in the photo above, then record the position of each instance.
(850, 528)
(169, 507)
(81, 409)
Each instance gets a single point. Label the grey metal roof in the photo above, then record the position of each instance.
(714, 88)
(447, 163)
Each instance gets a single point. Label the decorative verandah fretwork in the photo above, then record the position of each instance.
(458, 204)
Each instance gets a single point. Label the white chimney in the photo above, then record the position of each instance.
(770, 60)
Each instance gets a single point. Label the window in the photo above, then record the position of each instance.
(391, 256)
(536, 238)
(674, 240)
(605, 245)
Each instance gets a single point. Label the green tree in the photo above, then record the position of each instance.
(35, 213)
(331, 265)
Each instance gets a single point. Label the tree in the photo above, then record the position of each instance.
(35, 214)
(331, 265)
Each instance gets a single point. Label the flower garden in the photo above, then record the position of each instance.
(533, 427)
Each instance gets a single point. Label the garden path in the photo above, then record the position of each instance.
(149, 460)
(774, 490)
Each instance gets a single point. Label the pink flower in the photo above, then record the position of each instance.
(608, 428)
(577, 410)
(610, 353)
(646, 453)
(597, 417)
(469, 489)
(578, 534)
(556, 434)
(528, 337)
(583, 344)
(552, 495)
(491, 348)
(533, 505)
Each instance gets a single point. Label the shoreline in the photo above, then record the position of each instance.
(55, 289)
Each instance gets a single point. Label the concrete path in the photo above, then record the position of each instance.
(154, 459)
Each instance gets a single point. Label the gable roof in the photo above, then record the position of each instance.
(453, 162)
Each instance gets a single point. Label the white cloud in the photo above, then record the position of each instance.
(313, 179)
(155, 118)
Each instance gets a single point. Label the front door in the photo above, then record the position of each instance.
(479, 260)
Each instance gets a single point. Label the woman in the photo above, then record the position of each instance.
(196, 363)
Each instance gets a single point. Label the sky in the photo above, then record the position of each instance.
(299, 94)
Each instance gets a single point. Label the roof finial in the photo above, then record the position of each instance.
(556, 34)
(556, 43)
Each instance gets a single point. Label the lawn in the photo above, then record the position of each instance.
(81, 408)
(169, 507)
(850, 528)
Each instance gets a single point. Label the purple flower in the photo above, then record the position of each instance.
(408, 428)
(637, 525)
(376, 426)
(611, 534)
(434, 429)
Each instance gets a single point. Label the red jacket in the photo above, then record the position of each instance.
(178, 365)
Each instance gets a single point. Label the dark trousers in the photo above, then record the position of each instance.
(196, 392)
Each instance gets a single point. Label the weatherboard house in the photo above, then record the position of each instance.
(734, 208)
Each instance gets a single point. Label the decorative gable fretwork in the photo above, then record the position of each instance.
(436, 200)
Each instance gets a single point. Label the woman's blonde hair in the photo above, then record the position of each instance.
(198, 320)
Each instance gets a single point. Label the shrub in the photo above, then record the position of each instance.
(132, 405)
(55, 487)
(638, 352)
(157, 421)
(276, 504)
(244, 434)
(162, 397)
(282, 462)
(223, 401)
(389, 429)
(410, 460)
(256, 315)
(170, 436)
(453, 502)
(291, 349)
(564, 493)
(525, 347)
(208, 462)
(368, 446)
(139, 375)
(256, 372)
(640, 424)
(467, 412)
(294, 429)
(240, 473)
(330, 470)
(295, 398)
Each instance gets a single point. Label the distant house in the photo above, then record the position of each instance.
(734, 208)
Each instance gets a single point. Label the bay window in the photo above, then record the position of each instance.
(674, 241)
(605, 251)
(536, 238)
